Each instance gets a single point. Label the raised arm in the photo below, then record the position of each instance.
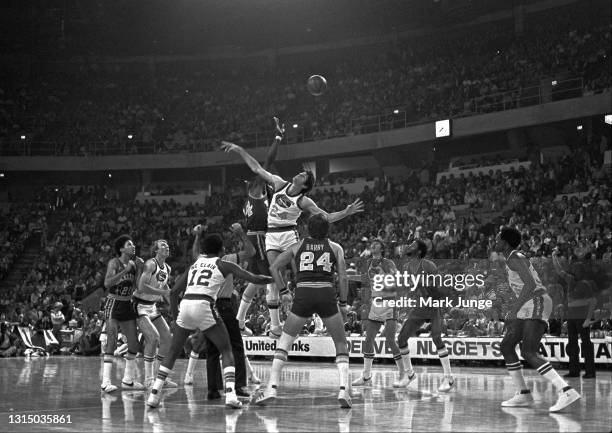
(273, 150)
(232, 268)
(309, 205)
(270, 178)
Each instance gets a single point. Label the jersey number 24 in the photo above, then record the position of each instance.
(307, 257)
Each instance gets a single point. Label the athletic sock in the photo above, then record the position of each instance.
(445, 361)
(342, 362)
(516, 373)
(551, 374)
(399, 363)
(368, 360)
(229, 375)
(191, 365)
(405, 352)
(280, 357)
(148, 367)
(162, 374)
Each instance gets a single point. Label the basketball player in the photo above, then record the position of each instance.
(419, 265)
(379, 314)
(526, 323)
(256, 222)
(287, 204)
(317, 257)
(152, 287)
(206, 277)
(120, 278)
(226, 306)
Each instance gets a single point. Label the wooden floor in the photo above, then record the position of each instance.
(70, 386)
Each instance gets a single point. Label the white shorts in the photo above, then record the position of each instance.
(149, 310)
(281, 241)
(538, 308)
(196, 314)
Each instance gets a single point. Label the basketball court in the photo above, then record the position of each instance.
(69, 386)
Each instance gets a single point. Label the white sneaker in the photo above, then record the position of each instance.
(565, 399)
(188, 379)
(133, 386)
(344, 398)
(153, 400)
(448, 383)
(170, 384)
(519, 400)
(362, 381)
(267, 396)
(404, 380)
(232, 401)
(108, 387)
(275, 332)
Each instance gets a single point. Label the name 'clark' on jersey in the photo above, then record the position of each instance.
(315, 263)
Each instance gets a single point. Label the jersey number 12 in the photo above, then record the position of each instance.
(203, 278)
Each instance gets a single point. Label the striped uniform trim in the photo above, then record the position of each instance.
(404, 350)
(342, 357)
(159, 357)
(514, 366)
(261, 248)
(281, 354)
(163, 373)
(282, 229)
(397, 357)
(149, 358)
(108, 307)
(443, 353)
(545, 368)
(273, 305)
(108, 357)
(315, 284)
(368, 355)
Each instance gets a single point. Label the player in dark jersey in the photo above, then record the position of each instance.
(256, 223)
(316, 259)
(419, 265)
(120, 280)
(525, 325)
(379, 313)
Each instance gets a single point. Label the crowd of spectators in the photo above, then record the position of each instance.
(457, 217)
(182, 107)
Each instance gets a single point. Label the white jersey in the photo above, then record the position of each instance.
(205, 277)
(284, 209)
(517, 283)
(158, 280)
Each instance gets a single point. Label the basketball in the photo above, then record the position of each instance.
(316, 85)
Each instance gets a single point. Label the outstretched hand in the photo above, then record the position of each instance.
(227, 147)
(355, 207)
(279, 128)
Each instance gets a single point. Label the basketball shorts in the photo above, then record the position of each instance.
(314, 300)
(197, 314)
(281, 241)
(258, 264)
(381, 313)
(538, 308)
(120, 310)
(149, 310)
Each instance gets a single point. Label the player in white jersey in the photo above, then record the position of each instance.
(152, 287)
(204, 280)
(287, 204)
(526, 323)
